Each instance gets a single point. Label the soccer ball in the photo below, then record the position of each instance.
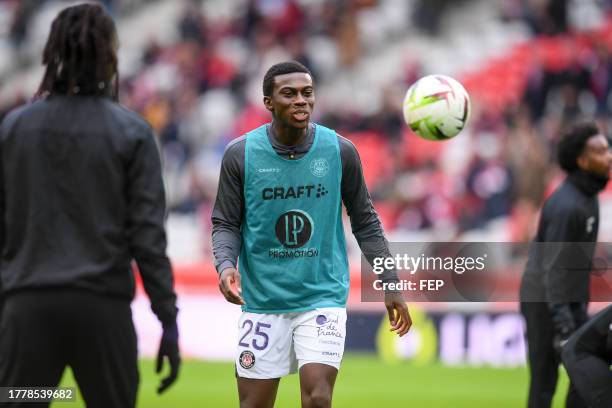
(436, 107)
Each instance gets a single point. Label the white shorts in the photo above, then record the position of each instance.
(274, 345)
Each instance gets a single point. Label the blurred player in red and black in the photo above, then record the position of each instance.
(81, 195)
(555, 285)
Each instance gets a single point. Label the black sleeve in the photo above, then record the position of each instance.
(6, 126)
(562, 253)
(146, 233)
(2, 216)
(229, 207)
(365, 223)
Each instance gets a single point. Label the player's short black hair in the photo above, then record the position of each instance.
(80, 54)
(282, 68)
(573, 142)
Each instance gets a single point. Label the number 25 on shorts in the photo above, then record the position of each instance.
(259, 334)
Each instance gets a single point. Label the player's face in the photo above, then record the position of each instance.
(292, 99)
(597, 157)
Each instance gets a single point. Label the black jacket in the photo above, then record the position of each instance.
(81, 195)
(559, 265)
(594, 338)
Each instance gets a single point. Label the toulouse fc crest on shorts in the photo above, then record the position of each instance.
(247, 359)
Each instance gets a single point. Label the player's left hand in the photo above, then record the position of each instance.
(399, 317)
(169, 349)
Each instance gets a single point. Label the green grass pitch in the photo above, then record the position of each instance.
(363, 381)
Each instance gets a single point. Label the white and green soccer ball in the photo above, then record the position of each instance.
(436, 107)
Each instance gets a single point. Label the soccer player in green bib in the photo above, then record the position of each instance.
(279, 213)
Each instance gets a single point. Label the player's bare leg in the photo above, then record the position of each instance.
(254, 393)
(317, 385)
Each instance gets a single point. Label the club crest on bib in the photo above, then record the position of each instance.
(246, 359)
(319, 167)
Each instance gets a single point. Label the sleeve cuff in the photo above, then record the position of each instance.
(224, 265)
(166, 311)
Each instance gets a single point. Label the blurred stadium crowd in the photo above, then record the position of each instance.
(529, 65)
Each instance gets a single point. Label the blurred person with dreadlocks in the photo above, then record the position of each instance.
(81, 196)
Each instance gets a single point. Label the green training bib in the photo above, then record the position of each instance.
(293, 255)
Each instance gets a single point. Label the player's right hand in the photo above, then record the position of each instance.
(227, 279)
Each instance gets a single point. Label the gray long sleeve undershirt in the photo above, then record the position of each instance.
(228, 211)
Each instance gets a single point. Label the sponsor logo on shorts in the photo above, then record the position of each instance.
(246, 359)
(331, 354)
(330, 342)
(326, 318)
(321, 319)
(327, 325)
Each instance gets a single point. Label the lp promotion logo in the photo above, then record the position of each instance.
(294, 228)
